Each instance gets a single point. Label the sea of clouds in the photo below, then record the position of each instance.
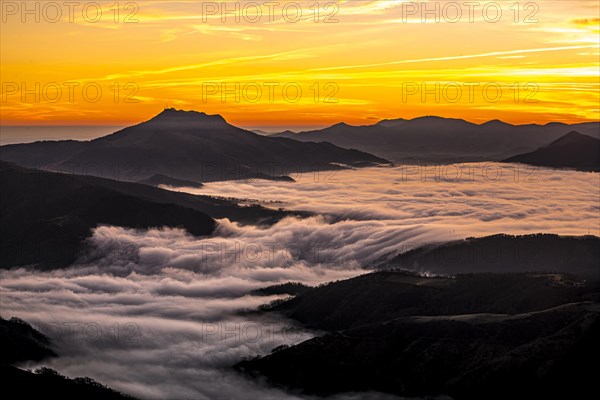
(162, 314)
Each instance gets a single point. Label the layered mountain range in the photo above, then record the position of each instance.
(186, 145)
(475, 336)
(439, 139)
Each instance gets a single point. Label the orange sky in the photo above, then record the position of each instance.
(356, 61)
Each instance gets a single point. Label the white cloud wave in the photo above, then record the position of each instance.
(156, 313)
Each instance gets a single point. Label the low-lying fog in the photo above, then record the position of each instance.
(155, 313)
(460, 200)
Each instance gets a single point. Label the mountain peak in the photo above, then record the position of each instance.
(572, 137)
(435, 122)
(495, 122)
(430, 118)
(340, 125)
(171, 117)
(391, 123)
(572, 150)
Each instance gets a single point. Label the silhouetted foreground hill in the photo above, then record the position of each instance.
(506, 253)
(388, 295)
(573, 150)
(47, 383)
(46, 216)
(473, 337)
(291, 288)
(439, 139)
(185, 145)
(20, 342)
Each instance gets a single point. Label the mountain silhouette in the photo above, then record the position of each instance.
(465, 336)
(573, 150)
(46, 216)
(20, 342)
(185, 145)
(390, 294)
(46, 382)
(438, 139)
(468, 321)
(500, 253)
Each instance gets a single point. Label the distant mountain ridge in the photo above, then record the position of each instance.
(573, 150)
(186, 145)
(440, 139)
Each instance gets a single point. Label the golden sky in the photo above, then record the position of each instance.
(354, 61)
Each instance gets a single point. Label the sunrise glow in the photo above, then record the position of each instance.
(352, 61)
